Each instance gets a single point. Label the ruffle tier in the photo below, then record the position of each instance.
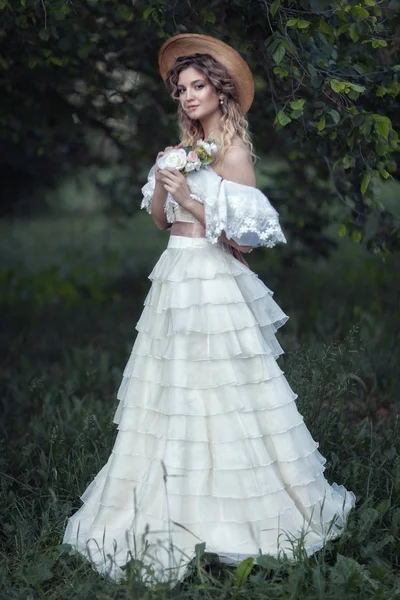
(210, 444)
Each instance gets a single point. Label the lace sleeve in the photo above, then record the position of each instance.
(148, 190)
(244, 213)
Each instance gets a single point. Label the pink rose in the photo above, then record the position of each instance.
(192, 156)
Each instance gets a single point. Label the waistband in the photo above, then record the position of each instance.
(188, 229)
(180, 241)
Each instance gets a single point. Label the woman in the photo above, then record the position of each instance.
(210, 445)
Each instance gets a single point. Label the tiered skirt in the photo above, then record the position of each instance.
(210, 445)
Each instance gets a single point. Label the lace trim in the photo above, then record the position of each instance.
(148, 190)
(169, 208)
(245, 214)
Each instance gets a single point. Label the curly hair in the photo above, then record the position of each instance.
(233, 120)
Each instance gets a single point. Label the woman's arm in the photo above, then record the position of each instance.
(157, 206)
(237, 167)
(197, 210)
(160, 195)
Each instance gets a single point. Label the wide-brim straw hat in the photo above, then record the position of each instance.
(192, 43)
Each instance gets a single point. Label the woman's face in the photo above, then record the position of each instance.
(197, 95)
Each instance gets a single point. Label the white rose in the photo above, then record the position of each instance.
(173, 159)
(193, 166)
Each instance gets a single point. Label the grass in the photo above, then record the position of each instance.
(68, 333)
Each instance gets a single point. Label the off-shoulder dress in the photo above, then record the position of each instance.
(210, 445)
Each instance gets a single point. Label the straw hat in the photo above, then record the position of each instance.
(192, 43)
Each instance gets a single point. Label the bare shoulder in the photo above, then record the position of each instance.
(238, 165)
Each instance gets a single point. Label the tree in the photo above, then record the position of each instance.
(327, 86)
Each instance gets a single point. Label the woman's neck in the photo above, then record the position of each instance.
(212, 126)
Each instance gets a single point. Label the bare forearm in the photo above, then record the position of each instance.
(157, 206)
(224, 239)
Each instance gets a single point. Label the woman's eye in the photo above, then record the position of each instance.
(200, 86)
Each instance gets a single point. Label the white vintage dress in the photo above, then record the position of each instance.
(210, 445)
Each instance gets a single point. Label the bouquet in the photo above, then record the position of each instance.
(189, 158)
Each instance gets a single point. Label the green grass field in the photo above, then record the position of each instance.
(72, 288)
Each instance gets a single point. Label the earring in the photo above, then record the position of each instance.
(221, 100)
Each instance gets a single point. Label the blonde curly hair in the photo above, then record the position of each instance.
(233, 121)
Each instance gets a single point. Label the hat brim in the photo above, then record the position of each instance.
(192, 43)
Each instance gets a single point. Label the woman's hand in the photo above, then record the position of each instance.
(175, 183)
(157, 173)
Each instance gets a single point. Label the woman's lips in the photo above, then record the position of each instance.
(193, 107)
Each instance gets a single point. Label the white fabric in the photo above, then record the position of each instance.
(183, 215)
(173, 211)
(148, 190)
(244, 213)
(210, 444)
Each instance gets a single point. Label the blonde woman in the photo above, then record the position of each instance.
(210, 445)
